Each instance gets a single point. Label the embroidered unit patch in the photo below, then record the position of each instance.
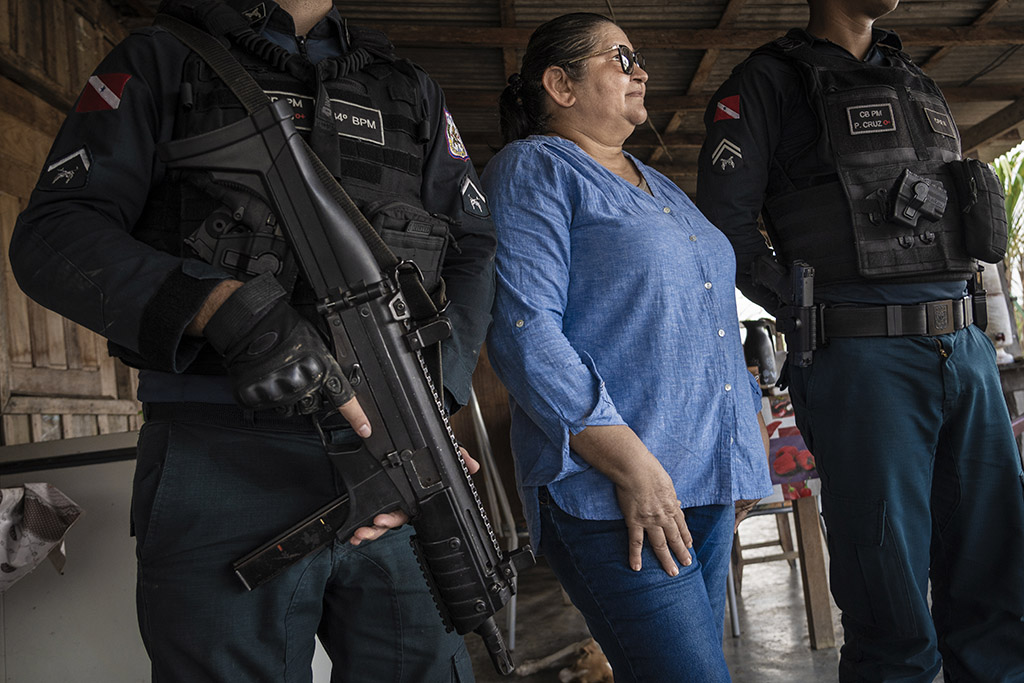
(473, 200)
(67, 173)
(940, 122)
(359, 122)
(871, 118)
(351, 120)
(455, 145)
(102, 92)
(256, 13)
(727, 156)
(728, 108)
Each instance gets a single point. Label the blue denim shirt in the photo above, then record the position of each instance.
(616, 307)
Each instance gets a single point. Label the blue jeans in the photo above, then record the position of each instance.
(205, 494)
(653, 627)
(921, 479)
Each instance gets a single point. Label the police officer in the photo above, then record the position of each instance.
(191, 283)
(849, 154)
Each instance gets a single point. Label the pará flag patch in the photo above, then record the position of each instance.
(102, 92)
(727, 108)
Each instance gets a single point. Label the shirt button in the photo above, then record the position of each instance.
(707, 285)
(721, 333)
(728, 387)
(667, 210)
(693, 238)
(519, 323)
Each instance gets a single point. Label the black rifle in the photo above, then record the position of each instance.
(798, 318)
(411, 461)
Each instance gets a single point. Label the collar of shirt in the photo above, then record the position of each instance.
(328, 38)
(879, 37)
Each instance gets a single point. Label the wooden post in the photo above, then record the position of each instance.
(814, 574)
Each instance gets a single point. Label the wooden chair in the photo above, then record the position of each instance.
(810, 552)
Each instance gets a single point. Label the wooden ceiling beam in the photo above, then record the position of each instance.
(144, 13)
(982, 19)
(508, 19)
(993, 127)
(700, 77)
(406, 35)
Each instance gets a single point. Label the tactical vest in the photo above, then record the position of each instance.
(381, 134)
(896, 212)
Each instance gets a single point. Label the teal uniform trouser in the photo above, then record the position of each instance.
(921, 479)
(206, 493)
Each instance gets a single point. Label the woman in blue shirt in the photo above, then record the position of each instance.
(634, 419)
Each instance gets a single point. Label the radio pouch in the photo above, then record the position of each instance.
(980, 195)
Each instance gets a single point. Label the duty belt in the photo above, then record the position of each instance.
(930, 318)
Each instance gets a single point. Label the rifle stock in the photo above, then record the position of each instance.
(411, 460)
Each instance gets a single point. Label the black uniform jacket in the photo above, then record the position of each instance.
(762, 137)
(73, 249)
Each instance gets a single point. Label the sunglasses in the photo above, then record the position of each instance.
(628, 59)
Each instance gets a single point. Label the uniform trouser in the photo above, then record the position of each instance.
(652, 627)
(921, 478)
(206, 494)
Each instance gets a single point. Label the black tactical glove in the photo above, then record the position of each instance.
(273, 355)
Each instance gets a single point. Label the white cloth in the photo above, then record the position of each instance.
(33, 521)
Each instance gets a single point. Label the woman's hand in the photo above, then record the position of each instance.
(646, 494)
(386, 521)
(650, 507)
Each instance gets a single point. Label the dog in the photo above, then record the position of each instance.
(588, 664)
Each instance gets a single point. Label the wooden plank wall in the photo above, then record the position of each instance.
(56, 380)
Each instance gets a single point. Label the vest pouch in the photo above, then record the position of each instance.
(412, 234)
(982, 204)
(926, 241)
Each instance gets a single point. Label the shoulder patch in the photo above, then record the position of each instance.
(727, 157)
(456, 148)
(68, 173)
(102, 92)
(257, 13)
(727, 108)
(473, 200)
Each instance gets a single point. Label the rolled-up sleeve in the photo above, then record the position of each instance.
(556, 384)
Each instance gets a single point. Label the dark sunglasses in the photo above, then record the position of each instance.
(628, 59)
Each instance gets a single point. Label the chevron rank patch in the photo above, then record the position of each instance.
(68, 173)
(456, 148)
(256, 13)
(473, 200)
(102, 92)
(727, 157)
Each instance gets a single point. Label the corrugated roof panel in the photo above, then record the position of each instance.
(423, 12)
